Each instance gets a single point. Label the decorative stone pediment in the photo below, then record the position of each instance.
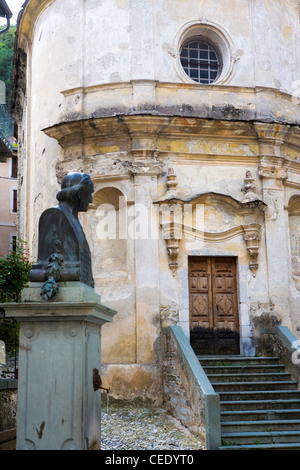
(211, 218)
(221, 212)
(223, 200)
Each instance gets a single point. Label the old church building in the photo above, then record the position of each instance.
(185, 114)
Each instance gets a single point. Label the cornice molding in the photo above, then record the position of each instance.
(174, 232)
(223, 200)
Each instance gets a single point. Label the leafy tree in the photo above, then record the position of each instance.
(9, 333)
(6, 59)
(14, 276)
(14, 273)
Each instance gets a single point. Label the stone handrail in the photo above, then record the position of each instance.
(286, 346)
(188, 394)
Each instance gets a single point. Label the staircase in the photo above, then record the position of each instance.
(259, 403)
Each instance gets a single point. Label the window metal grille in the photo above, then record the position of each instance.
(200, 61)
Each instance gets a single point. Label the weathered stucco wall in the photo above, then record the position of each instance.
(91, 43)
(116, 104)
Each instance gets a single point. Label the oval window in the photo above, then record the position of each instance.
(200, 60)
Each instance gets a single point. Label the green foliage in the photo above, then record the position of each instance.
(14, 273)
(9, 333)
(14, 276)
(6, 59)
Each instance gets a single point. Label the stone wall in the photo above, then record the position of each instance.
(177, 398)
(188, 395)
(8, 404)
(279, 341)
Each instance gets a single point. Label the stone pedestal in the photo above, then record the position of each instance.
(60, 343)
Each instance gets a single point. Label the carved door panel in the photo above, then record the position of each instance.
(214, 321)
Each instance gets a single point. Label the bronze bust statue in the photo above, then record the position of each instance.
(63, 251)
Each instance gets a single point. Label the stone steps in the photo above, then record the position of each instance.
(259, 402)
(260, 395)
(224, 387)
(248, 405)
(268, 377)
(237, 361)
(274, 446)
(261, 437)
(263, 425)
(245, 369)
(260, 415)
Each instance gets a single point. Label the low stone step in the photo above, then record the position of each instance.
(235, 360)
(261, 405)
(263, 377)
(261, 437)
(221, 387)
(259, 395)
(265, 426)
(248, 369)
(289, 446)
(260, 415)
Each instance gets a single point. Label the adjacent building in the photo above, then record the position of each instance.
(8, 164)
(9, 202)
(186, 116)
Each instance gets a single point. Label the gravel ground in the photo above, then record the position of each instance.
(144, 429)
(138, 428)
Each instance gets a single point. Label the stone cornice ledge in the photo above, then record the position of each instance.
(190, 100)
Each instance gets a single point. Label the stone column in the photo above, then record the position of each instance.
(272, 171)
(59, 402)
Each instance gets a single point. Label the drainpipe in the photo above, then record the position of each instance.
(7, 26)
(7, 15)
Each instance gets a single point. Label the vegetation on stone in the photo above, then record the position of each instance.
(6, 60)
(14, 276)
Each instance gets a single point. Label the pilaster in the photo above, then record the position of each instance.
(147, 266)
(272, 171)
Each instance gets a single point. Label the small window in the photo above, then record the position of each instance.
(15, 200)
(14, 167)
(13, 243)
(200, 60)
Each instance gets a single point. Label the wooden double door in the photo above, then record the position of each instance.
(214, 317)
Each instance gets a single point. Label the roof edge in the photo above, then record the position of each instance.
(3, 6)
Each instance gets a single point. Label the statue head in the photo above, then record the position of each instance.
(77, 190)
